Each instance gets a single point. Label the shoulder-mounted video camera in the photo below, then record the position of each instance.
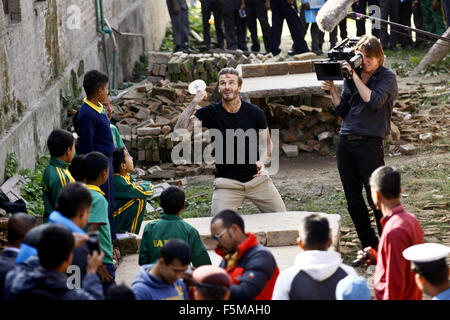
(344, 50)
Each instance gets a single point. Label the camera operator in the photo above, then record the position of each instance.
(365, 107)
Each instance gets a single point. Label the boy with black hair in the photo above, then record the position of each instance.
(72, 211)
(95, 131)
(96, 173)
(18, 225)
(76, 168)
(120, 292)
(317, 270)
(163, 280)
(48, 280)
(130, 195)
(171, 226)
(61, 145)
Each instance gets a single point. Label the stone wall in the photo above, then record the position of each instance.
(48, 49)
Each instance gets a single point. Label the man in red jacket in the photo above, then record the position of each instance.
(251, 266)
(393, 278)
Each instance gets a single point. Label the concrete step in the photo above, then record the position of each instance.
(272, 229)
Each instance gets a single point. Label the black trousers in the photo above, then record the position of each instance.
(180, 24)
(418, 24)
(280, 11)
(235, 26)
(256, 10)
(360, 7)
(343, 33)
(356, 160)
(214, 7)
(405, 39)
(390, 12)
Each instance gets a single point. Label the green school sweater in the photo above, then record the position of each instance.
(118, 142)
(56, 176)
(99, 214)
(168, 227)
(129, 203)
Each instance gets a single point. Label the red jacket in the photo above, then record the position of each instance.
(393, 278)
(254, 273)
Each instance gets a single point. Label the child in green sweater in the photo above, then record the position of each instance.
(61, 145)
(130, 195)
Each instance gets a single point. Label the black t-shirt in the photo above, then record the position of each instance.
(243, 143)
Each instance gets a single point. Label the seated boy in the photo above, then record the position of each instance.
(48, 280)
(96, 173)
(61, 145)
(130, 195)
(171, 226)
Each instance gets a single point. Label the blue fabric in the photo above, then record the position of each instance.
(95, 132)
(30, 276)
(148, 287)
(25, 252)
(58, 218)
(444, 295)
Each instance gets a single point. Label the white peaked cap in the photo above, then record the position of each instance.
(426, 252)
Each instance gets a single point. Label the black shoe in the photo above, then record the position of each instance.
(276, 52)
(293, 52)
(187, 50)
(178, 49)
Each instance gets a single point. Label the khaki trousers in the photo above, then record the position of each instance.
(230, 194)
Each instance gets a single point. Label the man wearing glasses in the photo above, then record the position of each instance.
(251, 266)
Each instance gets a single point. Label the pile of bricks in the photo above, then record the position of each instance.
(305, 123)
(145, 117)
(185, 67)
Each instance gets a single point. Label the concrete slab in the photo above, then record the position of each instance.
(278, 229)
(284, 85)
(128, 268)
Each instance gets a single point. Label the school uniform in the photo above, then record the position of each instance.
(56, 176)
(99, 214)
(118, 141)
(129, 203)
(96, 135)
(158, 232)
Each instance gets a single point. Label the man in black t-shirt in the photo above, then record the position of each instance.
(238, 128)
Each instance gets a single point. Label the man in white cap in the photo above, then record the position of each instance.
(430, 268)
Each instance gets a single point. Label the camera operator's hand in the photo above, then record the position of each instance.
(345, 66)
(328, 85)
(369, 255)
(95, 261)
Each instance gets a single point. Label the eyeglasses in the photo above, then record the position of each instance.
(217, 237)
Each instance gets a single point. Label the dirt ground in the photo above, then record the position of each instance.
(311, 182)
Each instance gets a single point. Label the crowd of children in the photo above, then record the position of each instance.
(70, 256)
